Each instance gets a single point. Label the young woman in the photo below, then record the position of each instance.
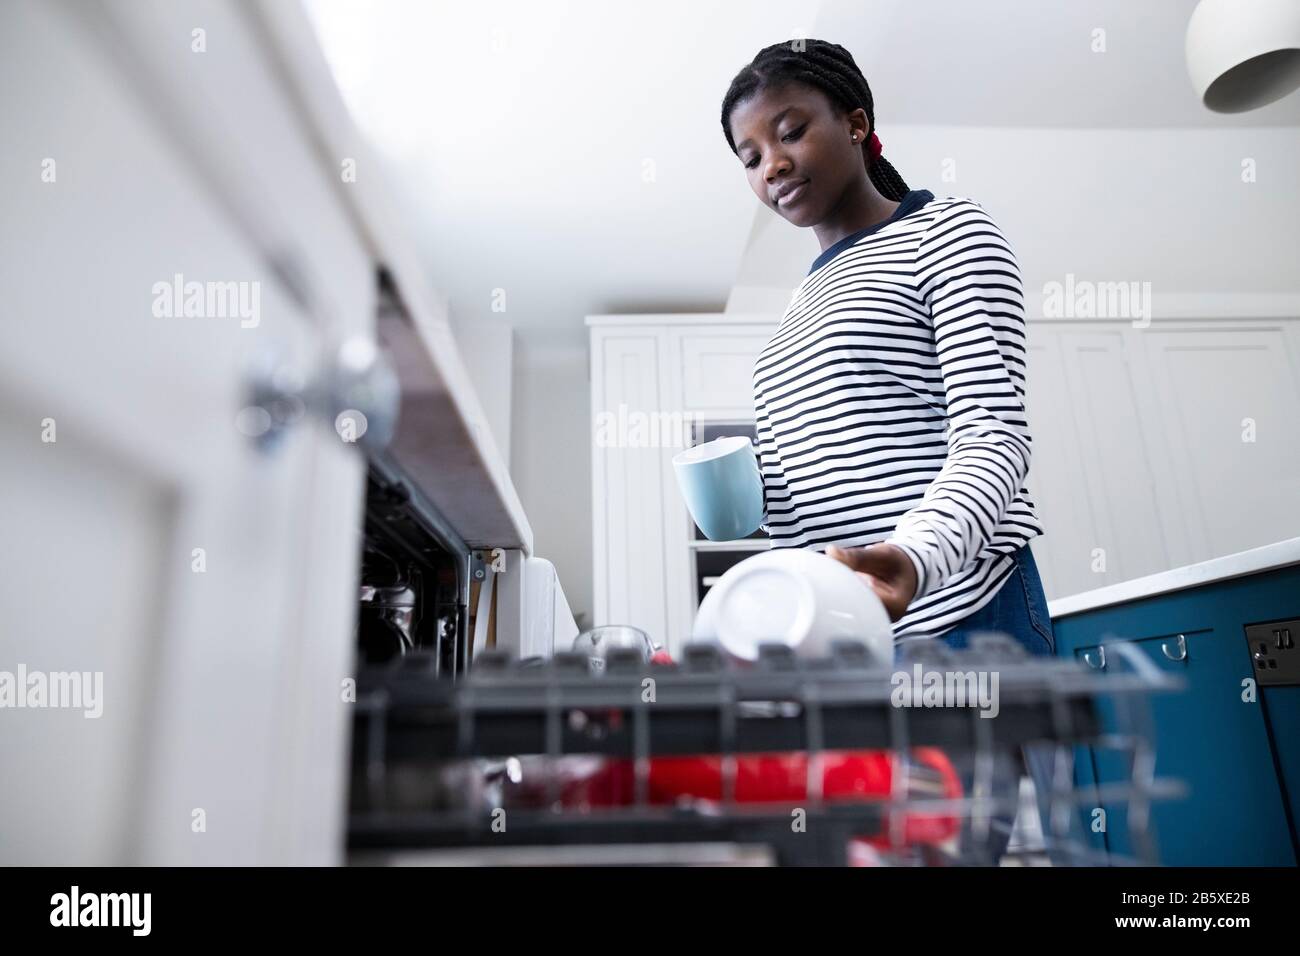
(890, 401)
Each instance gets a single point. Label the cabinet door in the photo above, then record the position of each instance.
(1227, 397)
(208, 587)
(1118, 471)
(1208, 738)
(630, 483)
(717, 367)
(1066, 514)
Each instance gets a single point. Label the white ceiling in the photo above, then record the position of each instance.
(1031, 63)
(570, 153)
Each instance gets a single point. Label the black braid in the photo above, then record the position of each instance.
(827, 67)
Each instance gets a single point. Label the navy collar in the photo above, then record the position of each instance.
(909, 204)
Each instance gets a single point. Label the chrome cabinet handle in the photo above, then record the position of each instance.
(356, 393)
(361, 395)
(1180, 644)
(1099, 662)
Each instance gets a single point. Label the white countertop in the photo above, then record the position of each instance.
(1277, 555)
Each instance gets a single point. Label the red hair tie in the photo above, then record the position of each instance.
(875, 145)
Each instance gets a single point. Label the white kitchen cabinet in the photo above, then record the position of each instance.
(683, 368)
(1115, 469)
(208, 582)
(1233, 448)
(1168, 473)
(1139, 460)
(1054, 472)
(630, 582)
(212, 585)
(713, 362)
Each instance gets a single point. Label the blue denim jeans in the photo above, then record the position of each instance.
(1019, 609)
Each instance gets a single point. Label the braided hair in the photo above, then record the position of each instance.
(827, 67)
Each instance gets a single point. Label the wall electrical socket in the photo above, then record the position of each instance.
(1275, 651)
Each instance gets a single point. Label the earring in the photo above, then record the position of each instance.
(854, 137)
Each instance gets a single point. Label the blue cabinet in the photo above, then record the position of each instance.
(1238, 764)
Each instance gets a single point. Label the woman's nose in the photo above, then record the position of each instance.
(775, 168)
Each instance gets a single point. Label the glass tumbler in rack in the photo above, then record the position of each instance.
(598, 642)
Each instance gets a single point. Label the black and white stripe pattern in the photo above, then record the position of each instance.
(890, 407)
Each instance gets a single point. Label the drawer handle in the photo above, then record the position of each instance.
(357, 393)
(1179, 642)
(1099, 663)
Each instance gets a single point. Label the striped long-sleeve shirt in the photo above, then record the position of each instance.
(890, 405)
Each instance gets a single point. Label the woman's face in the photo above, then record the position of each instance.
(789, 136)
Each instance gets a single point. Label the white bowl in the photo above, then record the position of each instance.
(796, 597)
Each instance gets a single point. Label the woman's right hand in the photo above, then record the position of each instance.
(887, 569)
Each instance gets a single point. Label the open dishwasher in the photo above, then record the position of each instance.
(788, 761)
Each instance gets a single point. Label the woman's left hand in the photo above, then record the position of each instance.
(887, 569)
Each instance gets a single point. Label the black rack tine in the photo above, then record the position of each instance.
(727, 732)
(776, 657)
(376, 750)
(641, 748)
(1139, 809)
(982, 781)
(850, 654)
(491, 661)
(814, 737)
(1060, 809)
(624, 661)
(554, 702)
(899, 779)
(502, 707)
(465, 721)
(1137, 716)
(702, 658)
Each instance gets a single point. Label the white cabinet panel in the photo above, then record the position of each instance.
(1066, 514)
(88, 537)
(211, 585)
(1229, 398)
(1138, 453)
(717, 368)
(1119, 469)
(629, 487)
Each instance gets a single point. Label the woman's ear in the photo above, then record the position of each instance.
(859, 126)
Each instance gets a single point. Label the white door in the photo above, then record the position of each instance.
(1228, 395)
(1135, 530)
(147, 542)
(1064, 552)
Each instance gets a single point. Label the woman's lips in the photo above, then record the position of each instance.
(794, 195)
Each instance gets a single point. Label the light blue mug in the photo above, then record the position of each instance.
(722, 486)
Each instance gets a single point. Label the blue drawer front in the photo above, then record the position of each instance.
(1282, 713)
(1236, 811)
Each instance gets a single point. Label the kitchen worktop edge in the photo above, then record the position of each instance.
(1253, 561)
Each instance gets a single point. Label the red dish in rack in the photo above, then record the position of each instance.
(782, 778)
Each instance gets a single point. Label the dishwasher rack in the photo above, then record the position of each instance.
(434, 759)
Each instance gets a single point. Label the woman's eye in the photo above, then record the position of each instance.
(787, 138)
